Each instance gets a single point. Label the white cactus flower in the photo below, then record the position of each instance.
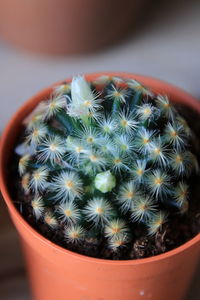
(83, 100)
(80, 89)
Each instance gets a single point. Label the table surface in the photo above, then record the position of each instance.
(166, 46)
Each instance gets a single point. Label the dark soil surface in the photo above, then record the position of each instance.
(175, 232)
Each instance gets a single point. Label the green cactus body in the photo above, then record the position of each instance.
(100, 157)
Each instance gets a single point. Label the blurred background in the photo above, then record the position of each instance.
(44, 41)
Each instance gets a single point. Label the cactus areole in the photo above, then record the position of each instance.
(103, 160)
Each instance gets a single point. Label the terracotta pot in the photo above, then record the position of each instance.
(66, 26)
(57, 273)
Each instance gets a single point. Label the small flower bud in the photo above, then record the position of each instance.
(105, 182)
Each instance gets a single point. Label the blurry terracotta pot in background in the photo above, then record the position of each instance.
(57, 273)
(66, 26)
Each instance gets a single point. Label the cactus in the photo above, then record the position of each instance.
(100, 157)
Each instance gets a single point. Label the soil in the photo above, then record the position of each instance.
(178, 230)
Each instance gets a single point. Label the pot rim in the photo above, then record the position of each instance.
(14, 212)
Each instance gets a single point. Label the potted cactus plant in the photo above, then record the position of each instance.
(105, 171)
